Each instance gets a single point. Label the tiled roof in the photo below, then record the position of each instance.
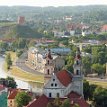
(40, 102)
(64, 77)
(75, 98)
(13, 94)
(2, 87)
(43, 101)
(104, 28)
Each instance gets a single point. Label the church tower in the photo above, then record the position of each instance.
(78, 75)
(77, 64)
(49, 67)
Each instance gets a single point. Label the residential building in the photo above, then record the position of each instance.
(104, 28)
(21, 20)
(38, 59)
(3, 96)
(12, 94)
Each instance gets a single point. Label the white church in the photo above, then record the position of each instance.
(61, 83)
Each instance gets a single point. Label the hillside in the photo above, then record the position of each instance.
(22, 31)
(86, 14)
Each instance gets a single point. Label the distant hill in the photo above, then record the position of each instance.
(22, 31)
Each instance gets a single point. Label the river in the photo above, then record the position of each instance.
(20, 84)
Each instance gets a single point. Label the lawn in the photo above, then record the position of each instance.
(17, 72)
(25, 75)
(99, 83)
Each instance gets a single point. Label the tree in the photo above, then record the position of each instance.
(19, 53)
(100, 97)
(49, 104)
(4, 46)
(66, 103)
(86, 61)
(98, 68)
(76, 105)
(8, 61)
(69, 63)
(92, 89)
(11, 82)
(57, 102)
(22, 99)
(86, 89)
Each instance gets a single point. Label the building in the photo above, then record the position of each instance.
(58, 34)
(63, 84)
(38, 59)
(21, 20)
(3, 96)
(12, 94)
(104, 28)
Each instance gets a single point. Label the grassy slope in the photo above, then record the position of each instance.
(99, 83)
(23, 31)
(15, 71)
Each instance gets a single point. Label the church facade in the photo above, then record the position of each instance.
(62, 84)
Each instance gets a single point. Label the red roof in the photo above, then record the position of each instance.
(40, 102)
(2, 87)
(75, 98)
(13, 94)
(74, 95)
(64, 77)
(104, 28)
(43, 101)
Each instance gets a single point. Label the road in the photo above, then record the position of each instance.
(20, 63)
(96, 79)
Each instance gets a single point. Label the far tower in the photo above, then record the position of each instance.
(78, 75)
(21, 20)
(49, 67)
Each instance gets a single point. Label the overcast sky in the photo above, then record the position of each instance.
(52, 2)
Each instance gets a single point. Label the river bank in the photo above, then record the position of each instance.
(3, 74)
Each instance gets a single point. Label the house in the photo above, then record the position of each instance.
(3, 96)
(37, 58)
(12, 94)
(104, 28)
(58, 34)
(63, 84)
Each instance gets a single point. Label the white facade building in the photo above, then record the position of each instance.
(63, 82)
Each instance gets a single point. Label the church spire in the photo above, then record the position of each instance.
(49, 54)
(77, 63)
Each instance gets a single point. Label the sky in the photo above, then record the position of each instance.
(55, 3)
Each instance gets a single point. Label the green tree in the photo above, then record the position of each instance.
(19, 53)
(100, 97)
(98, 68)
(76, 105)
(22, 99)
(49, 104)
(4, 46)
(57, 102)
(66, 103)
(86, 61)
(86, 89)
(8, 61)
(91, 92)
(11, 82)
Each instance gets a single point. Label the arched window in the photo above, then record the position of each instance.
(50, 95)
(48, 61)
(48, 71)
(77, 72)
(77, 62)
